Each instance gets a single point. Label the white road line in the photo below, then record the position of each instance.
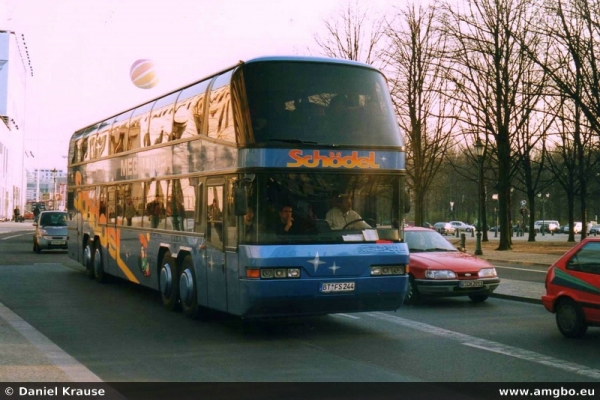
(492, 346)
(14, 236)
(346, 315)
(76, 371)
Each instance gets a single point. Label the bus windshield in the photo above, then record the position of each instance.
(320, 103)
(324, 208)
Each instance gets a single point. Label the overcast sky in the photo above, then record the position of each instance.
(81, 52)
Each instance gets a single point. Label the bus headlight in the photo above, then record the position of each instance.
(385, 270)
(272, 273)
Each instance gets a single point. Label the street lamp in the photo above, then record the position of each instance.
(543, 200)
(54, 171)
(479, 149)
(496, 208)
(452, 210)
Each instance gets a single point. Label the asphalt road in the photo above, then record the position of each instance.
(119, 332)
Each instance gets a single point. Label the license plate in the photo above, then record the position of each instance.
(470, 284)
(337, 287)
(57, 242)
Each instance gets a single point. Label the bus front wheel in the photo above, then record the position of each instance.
(168, 282)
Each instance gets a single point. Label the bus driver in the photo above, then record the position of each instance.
(342, 213)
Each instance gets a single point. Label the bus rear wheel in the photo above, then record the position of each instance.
(188, 290)
(98, 264)
(87, 260)
(169, 282)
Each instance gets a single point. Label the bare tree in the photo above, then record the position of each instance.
(572, 30)
(353, 35)
(418, 90)
(488, 69)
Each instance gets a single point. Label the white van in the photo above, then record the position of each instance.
(549, 226)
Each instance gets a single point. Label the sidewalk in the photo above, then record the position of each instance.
(30, 357)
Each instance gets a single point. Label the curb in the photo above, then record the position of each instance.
(517, 298)
(491, 260)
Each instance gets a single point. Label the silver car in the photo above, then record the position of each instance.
(444, 228)
(51, 231)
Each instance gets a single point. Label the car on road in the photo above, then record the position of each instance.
(444, 228)
(439, 269)
(573, 289)
(462, 227)
(595, 229)
(51, 231)
(548, 226)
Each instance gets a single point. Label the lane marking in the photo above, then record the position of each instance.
(76, 371)
(488, 345)
(346, 315)
(14, 236)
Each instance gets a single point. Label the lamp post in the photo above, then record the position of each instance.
(479, 149)
(452, 210)
(543, 199)
(495, 197)
(54, 194)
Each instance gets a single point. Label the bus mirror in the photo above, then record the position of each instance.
(241, 200)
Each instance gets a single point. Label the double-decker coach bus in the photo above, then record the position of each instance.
(272, 188)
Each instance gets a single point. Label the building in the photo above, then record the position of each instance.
(15, 71)
(52, 183)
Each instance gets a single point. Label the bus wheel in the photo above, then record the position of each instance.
(412, 292)
(188, 290)
(168, 282)
(87, 260)
(97, 263)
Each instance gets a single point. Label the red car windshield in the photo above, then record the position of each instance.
(420, 241)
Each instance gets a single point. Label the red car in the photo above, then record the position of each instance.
(573, 289)
(437, 268)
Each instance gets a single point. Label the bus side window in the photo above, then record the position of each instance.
(215, 215)
(155, 204)
(200, 210)
(230, 213)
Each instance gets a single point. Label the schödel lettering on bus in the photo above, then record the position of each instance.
(333, 160)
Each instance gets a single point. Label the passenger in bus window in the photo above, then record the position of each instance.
(342, 214)
(249, 228)
(285, 224)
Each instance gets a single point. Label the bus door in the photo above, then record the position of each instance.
(215, 256)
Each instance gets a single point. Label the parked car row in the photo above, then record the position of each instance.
(549, 226)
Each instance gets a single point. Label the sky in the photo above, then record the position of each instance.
(81, 52)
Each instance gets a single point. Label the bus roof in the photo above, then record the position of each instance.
(310, 59)
(96, 125)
